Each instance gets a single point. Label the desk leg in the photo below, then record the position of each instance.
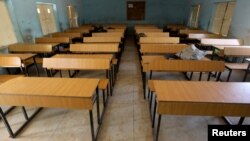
(25, 113)
(241, 120)
(228, 77)
(37, 70)
(113, 72)
(209, 75)
(150, 104)
(230, 123)
(97, 106)
(158, 127)
(218, 77)
(92, 125)
(144, 81)
(246, 73)
(200, 76)
(6, 123)
(103, 96)
(213, 53)
(227, 120)
(111, 78)
(153, 122)
(8, 111)
(110, 84)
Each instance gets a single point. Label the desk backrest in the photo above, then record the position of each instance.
(102, 39)
(176, 26)
(108, 34)
(150, 58)
(185, 66)
(141, 30)
(116, 30)
(160, 40)
(156, 34)
(76, 63)
(10, 62)
(234, 42)
(144, 26)
(187, 31)
(77, 30)
(95, 48)
(64, 34)
(52, 40)
(86, 26)
(31, 48)
(162, 48)
(100, 56)
(201, 36)
(119, 26)
(237, 51)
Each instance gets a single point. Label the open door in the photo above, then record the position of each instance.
(7, 33)
(72, 16)
(47, 18)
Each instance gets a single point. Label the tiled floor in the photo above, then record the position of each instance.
(126, 119)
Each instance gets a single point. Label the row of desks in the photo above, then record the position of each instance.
(77, 93)
(173, 97)
(199, 98)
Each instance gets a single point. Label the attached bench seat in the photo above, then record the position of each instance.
(31, 61)
(237, 52)
(237, 66)
(151, 85)
(103, 84)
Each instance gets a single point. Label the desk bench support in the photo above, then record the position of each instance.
(230, 123)
(28, 119)
(7, 125)
(34, 59)
(109, 76)
(227, 121)
(158, 127)
(8, 111)
(99, 118)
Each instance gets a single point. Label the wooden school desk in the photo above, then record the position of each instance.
(202, 99)
(69, 93)
(24, 57)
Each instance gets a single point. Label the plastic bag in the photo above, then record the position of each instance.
(191, 53)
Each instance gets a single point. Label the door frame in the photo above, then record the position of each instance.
(54, 12)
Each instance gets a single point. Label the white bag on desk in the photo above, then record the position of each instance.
(191, 53)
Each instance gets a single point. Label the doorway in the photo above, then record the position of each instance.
(135, 10)
(72, 16)
(46, 13)
(7, 32)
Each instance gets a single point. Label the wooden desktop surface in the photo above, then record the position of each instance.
(99, 56)
(32, 48)
(70, 93)
(22, 56)
(203, 98)
(222, 47)
(151, 58)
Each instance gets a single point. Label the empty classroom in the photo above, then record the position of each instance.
(124, 70)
